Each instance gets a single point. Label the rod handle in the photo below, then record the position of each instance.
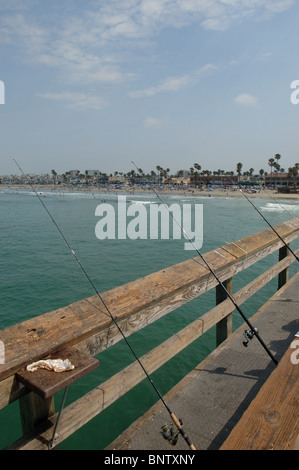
(181, 430)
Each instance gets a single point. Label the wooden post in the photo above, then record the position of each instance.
(283, 276)
(34, 409)
(225, 326)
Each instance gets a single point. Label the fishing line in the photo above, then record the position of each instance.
(268, 223)
(277, 202)
(271, 226)
(253, 331)
(177, 422)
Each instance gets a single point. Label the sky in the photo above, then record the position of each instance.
(97, 84)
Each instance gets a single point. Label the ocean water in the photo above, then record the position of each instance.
(39, 274)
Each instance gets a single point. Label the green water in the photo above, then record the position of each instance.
(38, 274)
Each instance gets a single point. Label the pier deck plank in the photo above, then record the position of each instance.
(212, 399)
(272, 419)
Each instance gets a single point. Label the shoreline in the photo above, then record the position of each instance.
(267, 194)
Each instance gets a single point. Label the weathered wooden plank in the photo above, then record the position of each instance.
(225, 327)
(284, 275)
(34, 410)
(10, 390)
(46, 383)
(134, 305)
(87, 407)
(81, 411)
(64, 327)
(251, 244)
(272, 420)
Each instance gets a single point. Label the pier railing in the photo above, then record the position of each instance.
(85, 325)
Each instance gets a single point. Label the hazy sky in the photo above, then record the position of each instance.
(94, 84)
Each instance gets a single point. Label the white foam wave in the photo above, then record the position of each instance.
(275, 207)
(143, 202)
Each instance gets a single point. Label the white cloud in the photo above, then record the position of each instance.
(174, 83)
(95, 44)
(75, 100)
(169, 84)
(245, 99)
(104, 24)
(152, 123)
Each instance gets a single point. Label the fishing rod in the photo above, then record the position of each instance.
(249, 334)
(166, 431)
(277, 202)
(271, 226)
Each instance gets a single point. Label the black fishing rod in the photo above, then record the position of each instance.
(253, 331)
(277, 202)
(167, 433)
(271, 226)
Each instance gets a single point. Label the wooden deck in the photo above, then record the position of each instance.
(272, 419)
(236, 398)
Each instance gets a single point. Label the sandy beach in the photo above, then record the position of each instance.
(261, 193)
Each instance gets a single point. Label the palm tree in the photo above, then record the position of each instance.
(160, 170)
(271, 163)
(87, 177)
(277, 167)
(197, 166)
(54, 175)
(293, 173)
(239, 169)
(165, 173)
(196, 173)
(179, 173)
(277, 157)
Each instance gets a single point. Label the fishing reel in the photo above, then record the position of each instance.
(249, 335)
(169, 435)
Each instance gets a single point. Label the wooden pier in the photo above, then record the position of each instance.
(236, 398)
(230, 388)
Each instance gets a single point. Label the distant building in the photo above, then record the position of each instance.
(117, 179)
(181, 181)
(281, 180)
(73, 173)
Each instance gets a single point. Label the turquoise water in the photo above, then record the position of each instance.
(38, 274)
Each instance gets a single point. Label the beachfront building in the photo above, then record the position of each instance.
(282, 181)
(213, 178)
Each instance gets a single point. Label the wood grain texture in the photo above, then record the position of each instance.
(81, 411)
(46, 383)
(87, 325)
(272, 420)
